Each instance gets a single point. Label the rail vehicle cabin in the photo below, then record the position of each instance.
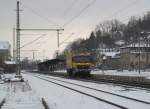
(78, 63)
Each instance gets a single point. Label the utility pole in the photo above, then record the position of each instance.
(58, 38)
(139, 56)
(33, 53)
(43, 55)
(18, 40)
(57, 30)
(58, 33)
(146, 41)
(14, 45)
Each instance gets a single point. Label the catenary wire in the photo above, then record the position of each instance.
(32, 41)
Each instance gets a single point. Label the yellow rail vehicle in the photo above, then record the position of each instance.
(78, 63)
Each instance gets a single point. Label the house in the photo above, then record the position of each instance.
(4, 52)
(109, 58)
(134, 56)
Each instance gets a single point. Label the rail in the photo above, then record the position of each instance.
(101, 91)
(45, 104)
(2, 103)
(92, 96)
(118, 80)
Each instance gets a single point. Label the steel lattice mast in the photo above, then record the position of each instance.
(18, 40)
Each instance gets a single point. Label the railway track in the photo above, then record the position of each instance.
(105, 81)
(2, 103)
(110, 95)
(100, 90)
(45, 104)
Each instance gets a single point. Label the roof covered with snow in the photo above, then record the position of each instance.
(111, 54)
(10, 62)
(4, 45)
(137, 45)
(120, 42)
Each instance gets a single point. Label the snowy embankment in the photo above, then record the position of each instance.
(61, 98)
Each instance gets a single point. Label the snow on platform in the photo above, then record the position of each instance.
(19, 95)
(3, 90)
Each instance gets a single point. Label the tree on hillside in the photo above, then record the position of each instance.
(91, 41)
(109, 32)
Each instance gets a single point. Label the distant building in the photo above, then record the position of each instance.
(132, 54)
(109, 58)
(4, 52)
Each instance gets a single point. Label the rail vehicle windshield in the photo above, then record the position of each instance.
(81, 59)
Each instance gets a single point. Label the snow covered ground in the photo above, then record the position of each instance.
(123, 73)
(65, 98)
(27, 95)
(61, 98)
(19, 95)
(3, 91)
(119, 73)
(129, 92)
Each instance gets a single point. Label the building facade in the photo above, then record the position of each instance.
(4, 52)
(109, 58)
(135, 56)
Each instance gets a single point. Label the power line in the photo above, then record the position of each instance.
(30, 34)
(135, 15)
(70, 7)
(114, 14)
(39, 15)
(77, 15)
(32, 41)
(66, 39)
(122, 9)
(90, 4)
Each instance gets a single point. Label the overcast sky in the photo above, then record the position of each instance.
(57, 13)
